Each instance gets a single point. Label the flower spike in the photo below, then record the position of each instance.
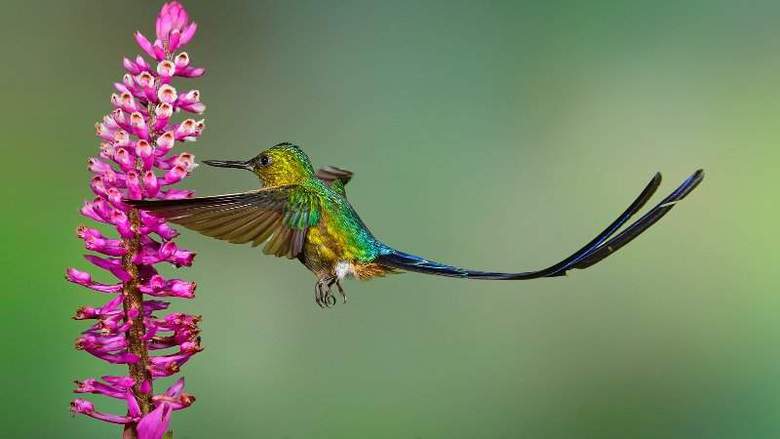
(136, 161)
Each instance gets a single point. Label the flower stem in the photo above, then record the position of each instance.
(133, 300)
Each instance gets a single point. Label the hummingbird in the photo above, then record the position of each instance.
(305, 214)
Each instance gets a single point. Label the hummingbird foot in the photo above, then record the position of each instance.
(322, 292)
(341, 291)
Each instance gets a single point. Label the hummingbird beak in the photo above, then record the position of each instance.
(230, 164)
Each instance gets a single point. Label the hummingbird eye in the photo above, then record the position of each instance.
(265, 160)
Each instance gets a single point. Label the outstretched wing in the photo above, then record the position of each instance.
(335, 177)
(277, 216)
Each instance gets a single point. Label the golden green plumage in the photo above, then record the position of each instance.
(335, 232)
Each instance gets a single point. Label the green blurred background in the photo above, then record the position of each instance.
(496, 135)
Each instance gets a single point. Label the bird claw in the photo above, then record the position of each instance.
(322, 292)
(341, 291)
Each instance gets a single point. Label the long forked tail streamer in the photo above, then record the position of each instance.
(593, 252)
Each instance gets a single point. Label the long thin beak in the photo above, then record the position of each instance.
(230, 164)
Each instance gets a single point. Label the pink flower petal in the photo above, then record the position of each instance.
(155, 423)
(144, 43)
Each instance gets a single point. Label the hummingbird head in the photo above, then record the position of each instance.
(278, 165)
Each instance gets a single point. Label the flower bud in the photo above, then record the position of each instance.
(138, 123)
(134, 186)
(166, 68)
(167, 94)
(165, 143)
(181, 61)
(144, 43)
(145, 79)
(151, 185)
(145, 152)
(163, 113)
(123, 158)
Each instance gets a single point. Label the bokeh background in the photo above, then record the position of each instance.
(496, 135)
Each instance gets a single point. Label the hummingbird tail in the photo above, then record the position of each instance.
(603, 245)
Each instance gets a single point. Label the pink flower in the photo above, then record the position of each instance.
(136, 161)
(155, 424)
(173, 30)
(84, 407)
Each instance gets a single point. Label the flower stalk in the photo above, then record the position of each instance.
(137, 161)
(132, 304)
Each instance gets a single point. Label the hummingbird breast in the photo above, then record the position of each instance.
(340, 245)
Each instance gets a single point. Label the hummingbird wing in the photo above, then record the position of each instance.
(277, 216)
(335, 177)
